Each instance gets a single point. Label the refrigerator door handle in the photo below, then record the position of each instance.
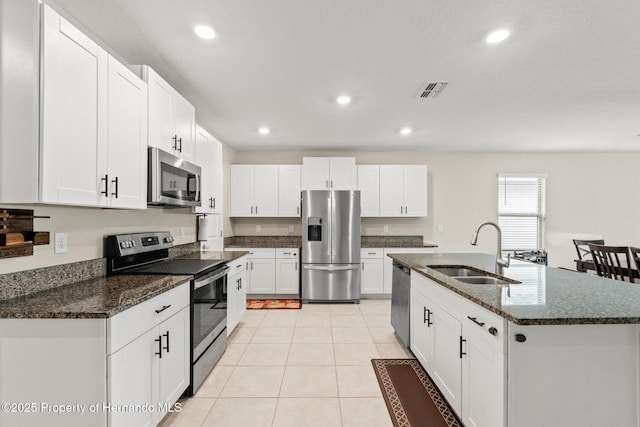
(331, 268)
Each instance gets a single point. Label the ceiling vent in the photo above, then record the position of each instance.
(432, 90)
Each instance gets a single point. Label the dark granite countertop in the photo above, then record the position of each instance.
(545, 296)
(296, 242)
(101, 297)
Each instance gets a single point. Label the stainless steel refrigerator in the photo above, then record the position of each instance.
(330, 254)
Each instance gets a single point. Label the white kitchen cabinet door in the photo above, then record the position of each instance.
(126, 156)
(173, 366)
(415, 190)
(263, 276)
(483, 382)
(446, 369)
(420, 329)
(208, 155)
(315, 173)
(289, 190)
(73, 120)
(287, 276)
(371, 276)
(184, 116)
(265, 190)
(241, 300)
(391, 190)
(241, 190)
(343, 174)
(130, 381)
(369, 186)
(161, 123)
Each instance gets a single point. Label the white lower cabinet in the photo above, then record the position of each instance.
(446, 369)
(421, 332)
(372, 276)
(236, 293)
(272, 271)
(139, 356)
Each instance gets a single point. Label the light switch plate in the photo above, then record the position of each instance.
(385, 228)
(61, 243)
(440, 228)
(258, 228)
(291, 229)
(183, 232)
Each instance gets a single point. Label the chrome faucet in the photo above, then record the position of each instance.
(500, 262)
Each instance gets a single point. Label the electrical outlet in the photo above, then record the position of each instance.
(183, 232)
(258, 228)
(291, 229)
(440, 228)
(385, 228)
(61, 243)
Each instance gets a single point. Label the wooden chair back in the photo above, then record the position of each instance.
(613, 262)
(582, 247)
(635, 254)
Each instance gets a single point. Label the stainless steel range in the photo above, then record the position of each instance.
(148, 253)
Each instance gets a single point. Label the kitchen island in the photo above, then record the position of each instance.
(545, 347)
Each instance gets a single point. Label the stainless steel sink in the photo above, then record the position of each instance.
(482, 280)
(457, 271)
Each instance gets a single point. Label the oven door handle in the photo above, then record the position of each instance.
(204, 281)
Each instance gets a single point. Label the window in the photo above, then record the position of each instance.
(521, 211)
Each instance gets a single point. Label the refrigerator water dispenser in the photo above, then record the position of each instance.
(315, 229)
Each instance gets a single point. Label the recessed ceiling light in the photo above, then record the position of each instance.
(264, 131)
(343, 99)
(497, 36)
(406, 131)
(204, 31)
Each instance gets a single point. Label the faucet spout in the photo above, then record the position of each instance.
(500, 262)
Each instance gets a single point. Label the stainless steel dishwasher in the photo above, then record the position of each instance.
(400, 291)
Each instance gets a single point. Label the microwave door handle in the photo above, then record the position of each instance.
(197, 198)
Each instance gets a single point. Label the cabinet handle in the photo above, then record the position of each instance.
(298, 210)
(251, 210)
(493, 331)
(211, 202)
(164, 307)
(175, 142)
(116, 182)
(461, 352)
(475, 320)
(331, 183)
(427, 317)
(252, 265)
(371, 253)
(296, 265)
(159, 352)
(167, 336)
(521, 337)
(400, 210)
(106, 185)
(326, 184)
(180, 139)
(256, 210)
(247, 265)
(239, 265)
(214, 203)
(286, 253)
(240, 283)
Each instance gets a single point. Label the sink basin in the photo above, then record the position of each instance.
(482, 280)
(457, 271)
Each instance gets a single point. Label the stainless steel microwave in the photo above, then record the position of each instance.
(172, 182)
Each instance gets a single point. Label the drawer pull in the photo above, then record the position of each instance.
(371, 253)
(164, 307)
(521, 338)
(493, 331)
(239, 265)
(286, 253)
(475, 320)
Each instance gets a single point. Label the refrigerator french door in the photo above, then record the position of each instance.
(330, 254)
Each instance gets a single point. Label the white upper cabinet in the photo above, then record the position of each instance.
(403, 190)
(172, 120)
(208, 155)
(73, 97)
(253, 190)
(289, 190)
(369, 186)
(126, 172)
(329, 173)
(93, 149)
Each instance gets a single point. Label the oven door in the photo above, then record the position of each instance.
(209, 310)
(172, 181)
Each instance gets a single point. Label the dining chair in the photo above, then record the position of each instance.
(585, 261)
(635, 254)
(613, 262)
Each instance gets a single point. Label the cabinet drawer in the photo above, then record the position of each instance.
(237, 266)
(287, 252)
(484, 324)
(258, 252)
(126, 326)
(371, 253)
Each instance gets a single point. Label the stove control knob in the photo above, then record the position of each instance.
(133, 243)
(168, 239)
(123, 245)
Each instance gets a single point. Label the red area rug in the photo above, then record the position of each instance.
(261, 304)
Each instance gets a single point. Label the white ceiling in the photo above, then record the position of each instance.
(568, 78)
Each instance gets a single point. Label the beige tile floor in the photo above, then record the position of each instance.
(302, 368)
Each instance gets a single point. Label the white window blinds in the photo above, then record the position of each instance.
(521, 211)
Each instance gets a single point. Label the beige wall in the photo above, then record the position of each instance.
(589, 195)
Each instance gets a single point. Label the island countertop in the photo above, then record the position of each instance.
(545, 296)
